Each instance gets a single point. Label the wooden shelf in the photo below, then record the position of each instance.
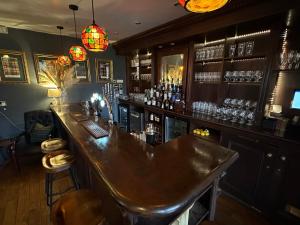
(219, 60)
(201, 82)
(243, 83)
(287, 71)
(144, 67)
(250, 57)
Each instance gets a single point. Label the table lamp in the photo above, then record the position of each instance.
(54, 93)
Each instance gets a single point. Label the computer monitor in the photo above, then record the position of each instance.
(296, 100)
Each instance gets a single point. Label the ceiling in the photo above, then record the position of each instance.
(119, 17)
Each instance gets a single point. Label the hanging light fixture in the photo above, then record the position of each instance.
(202, 6)
(62, 60)
(76, 52)
(94, 38)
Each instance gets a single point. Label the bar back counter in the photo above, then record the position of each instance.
(141, 184)
(236, 71)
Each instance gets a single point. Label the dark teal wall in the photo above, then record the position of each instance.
(25, 97)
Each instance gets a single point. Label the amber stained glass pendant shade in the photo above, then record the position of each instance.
(64, 60)
(94, 38)
(202, 6)
(77, 53)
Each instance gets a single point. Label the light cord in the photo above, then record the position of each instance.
(61, 41)
(75, 24)
(93, 12)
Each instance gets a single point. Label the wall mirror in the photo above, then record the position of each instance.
(172, 68)
(172, 65)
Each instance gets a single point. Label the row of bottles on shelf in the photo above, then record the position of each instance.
(168, 96)
(154, 118)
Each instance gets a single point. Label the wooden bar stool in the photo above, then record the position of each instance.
(55, 163)
(53, 144)
(78, 208)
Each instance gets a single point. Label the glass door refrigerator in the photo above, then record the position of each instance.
(174, 128)
(124, 117)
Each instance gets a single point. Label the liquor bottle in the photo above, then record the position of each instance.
(163, 98)
(153, 101)
(151, 93)
(151, 117)
(158, 103)
(171, 107)
(149, 101)
(167, 104)
(156, 119)
(158, 100)
(169, 94)
(146, 97)
(157, 94)
(162, 84)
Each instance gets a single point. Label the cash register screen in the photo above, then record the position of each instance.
(296, 100)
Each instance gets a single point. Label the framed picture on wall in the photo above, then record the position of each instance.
(82, 71)
(44, 64)
(104, 70)
(13, 67)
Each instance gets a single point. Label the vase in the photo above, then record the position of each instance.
(64, 97)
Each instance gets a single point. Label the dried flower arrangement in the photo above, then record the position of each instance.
(54, 75)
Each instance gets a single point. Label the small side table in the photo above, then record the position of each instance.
(10, 145)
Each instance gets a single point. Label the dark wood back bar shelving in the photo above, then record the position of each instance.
(265, 175)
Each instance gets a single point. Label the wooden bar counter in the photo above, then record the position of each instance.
(141, 184)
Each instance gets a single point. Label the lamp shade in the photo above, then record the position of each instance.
(202, 6)
(64, 60)
(54, 93)
(77, 53)
(94, 38)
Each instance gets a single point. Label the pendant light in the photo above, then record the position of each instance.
(76, 52)
(94, 38)
(62, 60)
(202, 6)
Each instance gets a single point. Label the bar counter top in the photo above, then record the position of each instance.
(144, 179)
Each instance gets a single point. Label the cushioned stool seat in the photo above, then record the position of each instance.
(53, 145)
(78, 208)
(56, 162)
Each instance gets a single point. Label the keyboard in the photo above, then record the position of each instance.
(94, 129)
(79, 117)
